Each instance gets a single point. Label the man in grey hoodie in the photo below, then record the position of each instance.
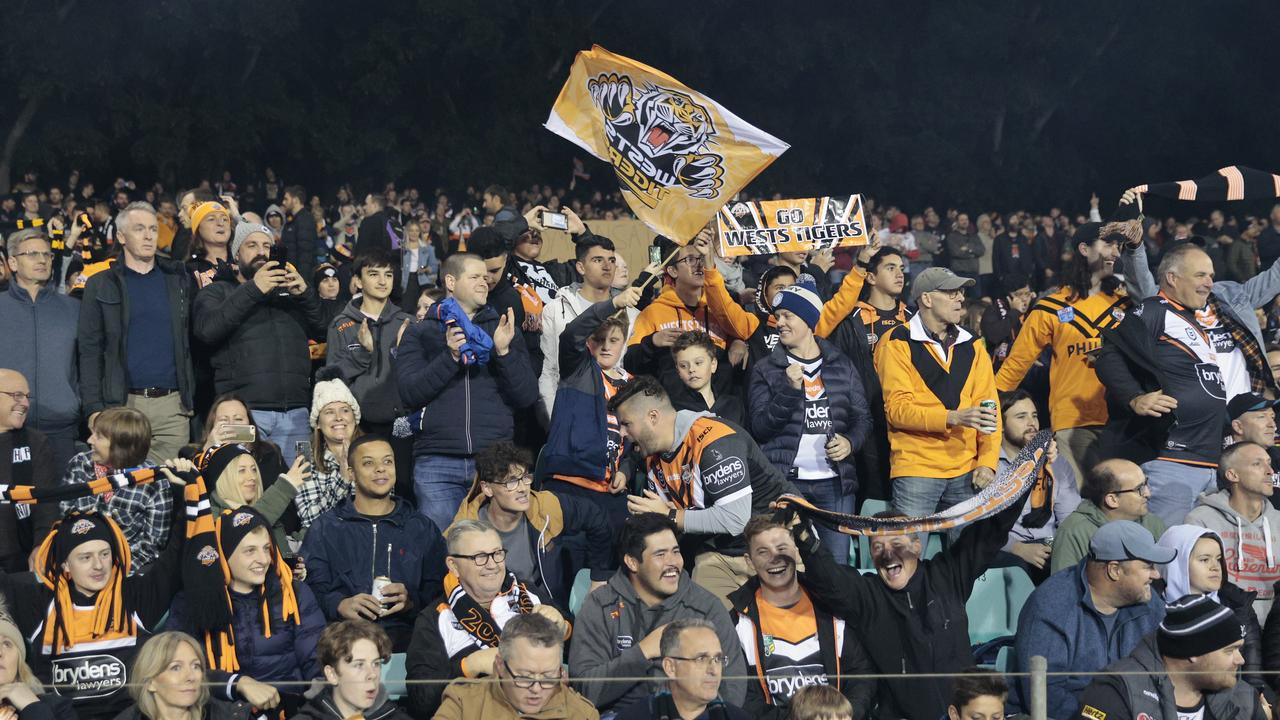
(1243, 517)
(619, 627)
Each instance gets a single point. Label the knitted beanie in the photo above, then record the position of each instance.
(329, 391)
(204, 210)
(243, 231)
(215, 460)
(1196, 625)
(801, 299)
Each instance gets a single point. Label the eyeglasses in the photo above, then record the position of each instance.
(17, 396)
(515, 482)
(482, 559)
(692, 261)
(524, 682)
(950, 294)
(704, 661)
(35, 254)
(1140, 489)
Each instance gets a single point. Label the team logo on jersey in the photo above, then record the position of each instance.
(769, 646)
(1118, 314)
(207, 555)
(1066, 314)
(81, 527)
(1192, 336)
(241, 519)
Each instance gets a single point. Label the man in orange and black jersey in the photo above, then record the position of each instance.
(791, 640)
(1070, 322)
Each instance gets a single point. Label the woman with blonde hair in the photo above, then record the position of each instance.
(168, 683)
(21, 694)
(235, 480)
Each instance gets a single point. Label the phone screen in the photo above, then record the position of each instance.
(655, 254)
(302, 448)
(556, 221)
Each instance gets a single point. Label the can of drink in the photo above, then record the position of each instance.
(989, 405)
(379, 583)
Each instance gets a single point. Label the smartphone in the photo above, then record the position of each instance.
(279, 253)
(655, 254)
(555, 221)
(302, 448)
(243, 433)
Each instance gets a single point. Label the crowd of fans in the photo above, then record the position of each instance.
(421, 439)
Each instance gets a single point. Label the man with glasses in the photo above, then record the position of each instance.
(619, 631)
(1113, 490)
(529, 679)
(529, 522)
(26, 458)
(39, 325)
(1070, 322)
(694, 662)
(374, 557)
(940, 401)
(458, 638)
(1089, 616)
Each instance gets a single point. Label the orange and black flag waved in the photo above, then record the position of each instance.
(678, 154)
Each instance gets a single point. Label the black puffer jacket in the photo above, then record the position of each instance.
(259, 342)
(214, 710)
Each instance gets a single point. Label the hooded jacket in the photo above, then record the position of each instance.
(479, 401)
(464, 700)
(922, 628)
(670, 312)
(344, 550)
(1175, 583)
(1144, 691)
(259, 342)
(370, 375)
(288, 654)
(320, 706)
(838, 646)
(1251, 548)
(549, 517)
(40, 343)
(1061, 623)
(610, 625)
(1071, 543)
(567, 305)
(779, 411)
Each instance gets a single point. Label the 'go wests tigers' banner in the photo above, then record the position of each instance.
(678, 154)
(1008, 487)
(773, 226)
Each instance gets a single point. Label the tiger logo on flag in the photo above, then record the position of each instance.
(659, 138)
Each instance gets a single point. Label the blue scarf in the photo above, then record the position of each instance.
(476, 349)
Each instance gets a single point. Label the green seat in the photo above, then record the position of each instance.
(393, 676)
(1004, 660)
(869, 508)
(933, 546)
(988, 608)
(581, 586)
(1018, 587)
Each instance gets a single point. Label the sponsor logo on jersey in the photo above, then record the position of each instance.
(1093, 713)
(22, 454)
(88, 676)
(623, 642)
(724, 474)
(787, 681)
(1066, 314)
(1210, 376)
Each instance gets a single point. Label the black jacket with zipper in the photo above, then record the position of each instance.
(104, 326)
(369, 374)
(259, 342)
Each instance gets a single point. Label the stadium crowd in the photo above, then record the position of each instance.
(427, 445)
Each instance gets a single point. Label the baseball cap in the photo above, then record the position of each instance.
(937, 278)
(1248, 402)
(1121, 540)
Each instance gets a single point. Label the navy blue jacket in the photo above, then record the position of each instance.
(468, 408)
(344, 550)
(1061, 623)
(290, 652)
(777, 409)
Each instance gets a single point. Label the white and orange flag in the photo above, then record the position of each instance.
(678, 154)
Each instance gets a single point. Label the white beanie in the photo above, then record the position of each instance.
(331, 391)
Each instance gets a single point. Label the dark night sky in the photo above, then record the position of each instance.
(998, 104)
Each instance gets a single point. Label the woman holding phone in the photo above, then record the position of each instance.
(234, 481)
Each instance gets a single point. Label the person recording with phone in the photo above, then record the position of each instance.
(258, 322)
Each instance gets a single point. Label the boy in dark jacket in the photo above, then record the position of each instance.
(258, 323)
(468, 401)
(351, 654)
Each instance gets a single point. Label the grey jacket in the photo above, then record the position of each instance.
(613, 621)
(40, 342)
(966, 249)
(369, 374)
(1242, 298)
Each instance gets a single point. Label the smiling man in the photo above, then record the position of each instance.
(25, 459)
(374, 535)
(791, 642)
(619, 631)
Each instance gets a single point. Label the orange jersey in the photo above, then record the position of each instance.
(1074, 331)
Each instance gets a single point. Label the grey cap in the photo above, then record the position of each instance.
(243, 231)
(1121, 540)
(937, 278)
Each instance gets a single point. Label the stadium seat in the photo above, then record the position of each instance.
(393, 676)
(933, 546)
(988, 608)
(581, 585)
(1004, 661)
(1018, 587)
(539, 470)
(869, 508)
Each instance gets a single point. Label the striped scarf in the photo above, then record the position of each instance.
(1234, 182)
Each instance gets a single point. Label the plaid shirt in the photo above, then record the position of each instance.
(323, 491)
(1255, 357)
(143, 512)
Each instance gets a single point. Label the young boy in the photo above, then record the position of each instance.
(701, 387)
